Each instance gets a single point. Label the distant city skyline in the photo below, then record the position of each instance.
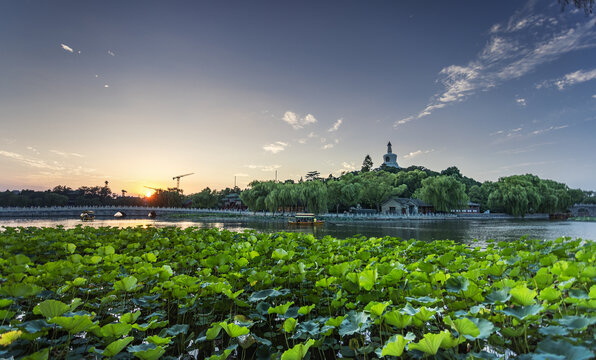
(138, 92)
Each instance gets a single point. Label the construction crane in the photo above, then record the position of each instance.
(177, 178)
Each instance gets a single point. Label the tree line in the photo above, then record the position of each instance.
(446, 190)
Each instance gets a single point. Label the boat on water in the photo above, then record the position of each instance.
(88, 215)
(306, 219)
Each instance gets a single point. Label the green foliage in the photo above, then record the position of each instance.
(444, 192)
(151, 293)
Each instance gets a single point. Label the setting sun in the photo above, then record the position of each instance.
(149, 193)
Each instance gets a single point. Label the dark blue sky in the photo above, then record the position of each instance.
(246, 88)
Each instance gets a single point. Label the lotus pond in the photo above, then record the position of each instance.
(174, 293)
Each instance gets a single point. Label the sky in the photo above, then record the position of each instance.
(137, 92)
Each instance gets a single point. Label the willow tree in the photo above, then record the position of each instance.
(444, 192)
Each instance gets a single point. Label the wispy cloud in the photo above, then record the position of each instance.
(524, 149)
(513, 50)
(570, 79)
(296, 121)
(417, 152)
(521, 101)
(336, 125)
(267, 168)
(67, 48)
(31, 148)
(327, 146)
(29, 161)
(594, 96)
(540, 131)
(275, 147)
(111, 53)
(66, 154)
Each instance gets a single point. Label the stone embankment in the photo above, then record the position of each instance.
(143, 211)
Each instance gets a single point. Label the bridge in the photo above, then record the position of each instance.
(101, 211)
(583, 210)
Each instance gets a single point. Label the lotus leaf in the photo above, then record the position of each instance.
(563, 348)
(115, 330)
(222, 356)
(394, 346)
(289, 325)
(523, 296)
(353, 323)
(74, 324)
(305, 310)
(457, 284)
(263, 294)
(553, 330)
(498, 296)
(549, 294)
(115, 347)
(397, 319)
(280, 309)
(367, 279)
(234, 330)
(576, 322)
(128, 284)
(152, 354)
(42, 354)
(429, 344)
(297, 352)
(8, 337)
(523, 312)
(51, 308)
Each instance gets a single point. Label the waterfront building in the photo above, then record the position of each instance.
(405, 206)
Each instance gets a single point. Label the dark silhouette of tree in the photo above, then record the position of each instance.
(313, 175)
(367, 164)
(586, 5)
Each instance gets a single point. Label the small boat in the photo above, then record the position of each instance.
(120, 214)
(87, 215)
(306, 219)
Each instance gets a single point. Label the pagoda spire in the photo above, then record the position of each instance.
(389, 148)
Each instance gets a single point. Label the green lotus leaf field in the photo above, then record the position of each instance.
(171, 293)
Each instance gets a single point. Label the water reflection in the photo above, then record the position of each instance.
(467, 231)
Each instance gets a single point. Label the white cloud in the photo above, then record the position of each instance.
(573, 78)
(32, 162)
(311, 135)
(301, 141)
(594, 96)
(521, 101)
(512, 51)
(327, 146)
(106, 86)
(67, 48)
(336, 125)
(65, 154)
(417, 152)
(266, 168)
(111, 53)
(536, 132)
(296, 122)
(275, 147)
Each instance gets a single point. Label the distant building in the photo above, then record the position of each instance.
(232, 202)
(471, 208)
(405, 206)
(390, 159)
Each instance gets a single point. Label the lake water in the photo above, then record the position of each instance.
(467, 231)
